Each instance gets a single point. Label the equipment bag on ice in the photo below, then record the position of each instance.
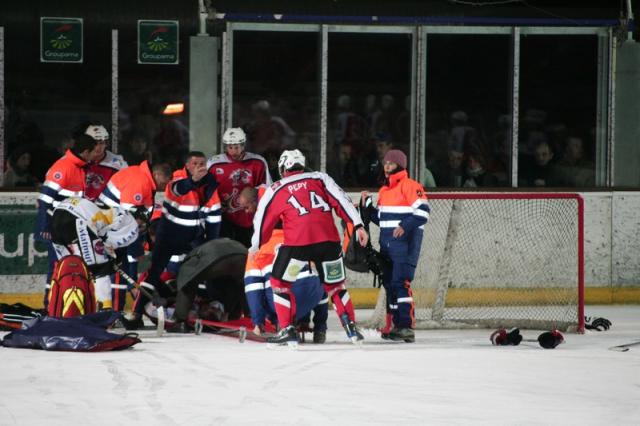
(71, 292)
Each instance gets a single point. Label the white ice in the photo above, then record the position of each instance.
(446, 377)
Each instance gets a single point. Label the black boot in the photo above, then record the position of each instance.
(179, 327)
(399, 334)
(319, 336)
(135, 323)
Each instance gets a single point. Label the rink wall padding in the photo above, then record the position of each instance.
(366, 297)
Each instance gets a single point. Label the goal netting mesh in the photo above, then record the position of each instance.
(499, 260)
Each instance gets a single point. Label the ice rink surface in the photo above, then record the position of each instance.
(446, 377)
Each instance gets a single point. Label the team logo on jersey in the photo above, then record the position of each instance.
(98, 246)
(137, 197)
(240, 176)
(57, 175)
(95, 180)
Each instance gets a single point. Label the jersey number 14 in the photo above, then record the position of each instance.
(315, 200)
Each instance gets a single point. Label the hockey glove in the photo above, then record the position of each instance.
(550, 339)
(599, 324)
(503, 338)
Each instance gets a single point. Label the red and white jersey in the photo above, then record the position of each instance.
(305, 203)
(98, 174)
(232, 177)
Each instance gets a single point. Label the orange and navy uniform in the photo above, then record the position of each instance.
(99, 173)
(131, 188)
(64, 179)
(401, 202)
(190, 209)
(192, 205)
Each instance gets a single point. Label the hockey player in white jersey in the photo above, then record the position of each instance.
(93, 232)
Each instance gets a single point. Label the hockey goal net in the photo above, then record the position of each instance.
(500, 260)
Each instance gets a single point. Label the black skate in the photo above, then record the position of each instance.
(399, 334)
(286, 336)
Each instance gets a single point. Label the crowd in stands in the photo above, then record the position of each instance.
(462, 151)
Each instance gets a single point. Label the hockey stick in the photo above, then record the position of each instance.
(130, 280)
(229, 330)
(625, 347)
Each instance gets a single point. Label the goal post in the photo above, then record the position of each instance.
(500, 260)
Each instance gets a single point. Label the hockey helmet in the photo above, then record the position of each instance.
(233, 136)
(290, 159)
(97, 132)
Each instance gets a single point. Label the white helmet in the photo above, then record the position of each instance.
(98, 133)
(290, 159)
(233, 136)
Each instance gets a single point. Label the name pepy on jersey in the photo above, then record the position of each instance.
(304, 202)
(232, 177)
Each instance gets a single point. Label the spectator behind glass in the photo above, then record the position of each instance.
(403, 122)
(575, 168)
(18, 174)
(385, 122)
(450, 173)
(267, 132)
(350, 127)
(371, 114)
(542, 171)
(171, 143)
(136, 149)
(376, 170)
(459, 130)
(349, 171)
(29, 135)
(475, 171)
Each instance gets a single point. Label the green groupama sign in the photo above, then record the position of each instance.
(61, 40)
(158, 42)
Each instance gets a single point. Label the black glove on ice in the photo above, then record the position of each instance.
(600, 324)
(550, 339)
(503, 338)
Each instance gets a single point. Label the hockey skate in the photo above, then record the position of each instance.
(399, 334)
(352, 330)
(286, 336)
